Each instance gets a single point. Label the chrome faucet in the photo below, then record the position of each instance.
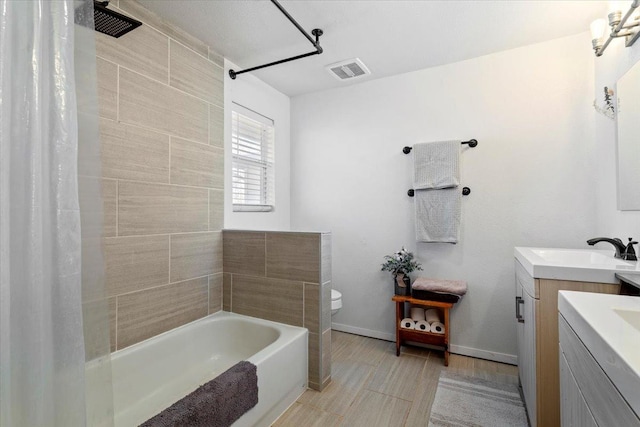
(622, 251)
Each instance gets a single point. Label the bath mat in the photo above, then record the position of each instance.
(219, 403)
(467, 401)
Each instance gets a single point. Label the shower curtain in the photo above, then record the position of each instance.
(54, 362)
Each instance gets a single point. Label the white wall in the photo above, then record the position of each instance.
(611, 222)
(253, 93)
(531, 179)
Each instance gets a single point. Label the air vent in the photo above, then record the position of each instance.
(348, 70)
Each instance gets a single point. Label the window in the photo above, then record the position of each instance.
(252, 169)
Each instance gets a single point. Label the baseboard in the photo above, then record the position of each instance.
(510, 359)
(364, 332)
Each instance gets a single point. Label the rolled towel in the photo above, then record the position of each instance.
(432, 315)
(457, 287)
(423, 325)
(407, 323)
(437, 328)
(417, 313)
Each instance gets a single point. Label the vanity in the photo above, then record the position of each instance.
(599, 359)
(540, 274)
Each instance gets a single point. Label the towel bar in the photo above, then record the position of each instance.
(471, 143)
(465, 192)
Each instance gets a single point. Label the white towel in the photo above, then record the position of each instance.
(438, 215)
(436, 165)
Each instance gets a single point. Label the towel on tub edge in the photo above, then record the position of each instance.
(220, 402)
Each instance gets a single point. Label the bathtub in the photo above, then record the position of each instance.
(152, 375)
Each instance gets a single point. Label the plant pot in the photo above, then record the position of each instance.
(402, 284)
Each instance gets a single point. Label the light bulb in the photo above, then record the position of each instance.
(597, 29)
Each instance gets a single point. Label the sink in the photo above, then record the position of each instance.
(632, 317)
(581, 265)
(577, 256)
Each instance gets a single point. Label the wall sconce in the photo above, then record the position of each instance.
(619, 27)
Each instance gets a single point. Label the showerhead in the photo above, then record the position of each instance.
(104, 20)
(110, 22)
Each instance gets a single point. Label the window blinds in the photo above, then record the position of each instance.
(252, 149)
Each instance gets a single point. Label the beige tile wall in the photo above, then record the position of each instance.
(284, 277)
(161, 125)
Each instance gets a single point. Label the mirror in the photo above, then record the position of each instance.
(628, 118)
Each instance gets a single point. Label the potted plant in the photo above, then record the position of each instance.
(400, 264)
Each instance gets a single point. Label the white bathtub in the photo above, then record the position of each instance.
(152, 375)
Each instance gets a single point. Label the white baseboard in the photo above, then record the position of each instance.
(510, 359)
(364, 332)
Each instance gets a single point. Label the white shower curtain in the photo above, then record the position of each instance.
(42, 349)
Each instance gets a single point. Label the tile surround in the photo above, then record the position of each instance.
(244, 252)
(194, 255)
(275, 276)
(151, 104)
(196, 164)
(110, 207)
(272, 299)
(150, 312)
(162, 140)
(145, 51)
(147, 208)
(107, 78)
(195, 74)
(135, 263)
(293, 255)
(162, 160)
(133, 153)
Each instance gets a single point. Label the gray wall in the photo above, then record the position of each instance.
(530, 177)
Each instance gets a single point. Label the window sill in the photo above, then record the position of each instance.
(252, 208)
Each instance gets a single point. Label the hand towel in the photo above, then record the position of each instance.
(457, 287)
(438, 215)
(417, 313)
(407, 323)
(436, 165)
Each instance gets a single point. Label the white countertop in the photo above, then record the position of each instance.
(598, 320)
(582, 265)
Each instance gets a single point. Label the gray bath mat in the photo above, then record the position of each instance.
(467, 401)
(217, 403)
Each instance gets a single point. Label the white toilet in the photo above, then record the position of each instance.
(336, 301)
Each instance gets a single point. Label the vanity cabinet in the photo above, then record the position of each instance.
(537, 333)
(589, 398)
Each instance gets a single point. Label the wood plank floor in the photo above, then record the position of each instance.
(372, 387)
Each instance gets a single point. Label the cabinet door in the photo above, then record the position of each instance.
(526, 331)
(574, 411)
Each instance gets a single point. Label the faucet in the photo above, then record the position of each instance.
(622, 251)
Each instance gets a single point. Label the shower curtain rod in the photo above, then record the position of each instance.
(316, 32)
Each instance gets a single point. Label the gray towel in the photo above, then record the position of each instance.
(436, 165)
(438, 215)
(219, 403)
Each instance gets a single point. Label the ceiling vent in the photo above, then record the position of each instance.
(348, 70)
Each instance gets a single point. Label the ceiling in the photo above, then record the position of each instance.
(390, 37)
